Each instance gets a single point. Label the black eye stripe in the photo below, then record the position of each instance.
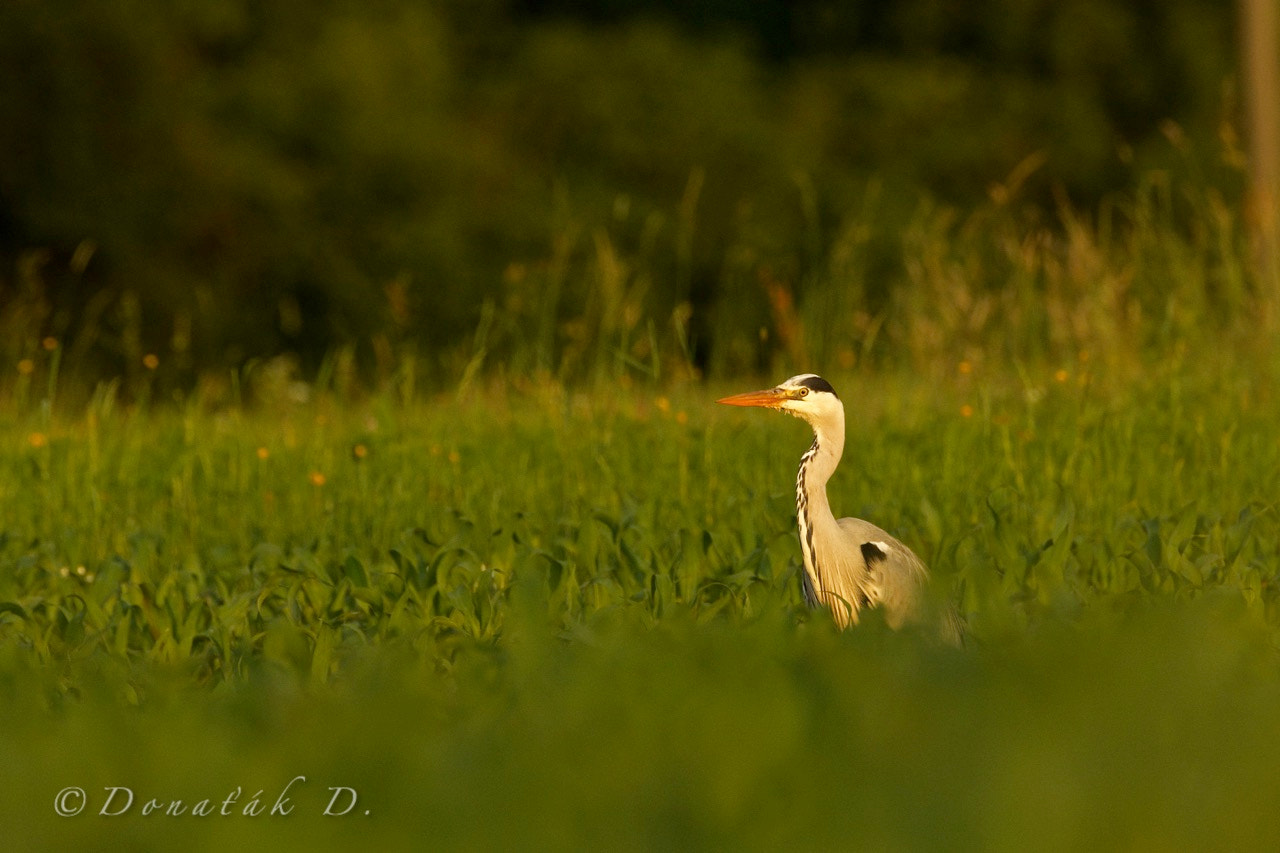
(817, 383)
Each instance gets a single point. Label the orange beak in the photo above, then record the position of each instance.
(771, 399)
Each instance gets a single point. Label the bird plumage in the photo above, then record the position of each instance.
(849, 564)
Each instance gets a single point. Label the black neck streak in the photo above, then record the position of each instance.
(806, 526)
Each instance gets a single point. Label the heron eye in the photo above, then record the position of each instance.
(804, 392)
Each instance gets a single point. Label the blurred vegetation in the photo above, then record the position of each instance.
(568, 188)
(1152, 734)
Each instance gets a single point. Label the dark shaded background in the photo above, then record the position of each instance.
(550, 183)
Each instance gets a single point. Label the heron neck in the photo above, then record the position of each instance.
(821, 460)
(813, 510)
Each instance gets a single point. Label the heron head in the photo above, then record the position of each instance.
(806, 396)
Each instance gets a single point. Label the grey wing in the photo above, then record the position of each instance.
(896, 576)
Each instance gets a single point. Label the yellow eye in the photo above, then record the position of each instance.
(804, 392)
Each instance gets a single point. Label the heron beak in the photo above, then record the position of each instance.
(768, 399)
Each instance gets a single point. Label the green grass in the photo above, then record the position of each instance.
(550, 619)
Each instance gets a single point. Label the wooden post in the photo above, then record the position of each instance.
(1258, 33)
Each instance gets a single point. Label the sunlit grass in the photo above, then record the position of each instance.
(189, 536)
(533, 616)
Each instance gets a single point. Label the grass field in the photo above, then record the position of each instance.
(542, 619)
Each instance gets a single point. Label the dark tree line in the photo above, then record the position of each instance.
(215, 180)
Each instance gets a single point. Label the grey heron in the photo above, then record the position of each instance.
(849, 564)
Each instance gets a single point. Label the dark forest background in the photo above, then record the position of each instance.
(552, 185)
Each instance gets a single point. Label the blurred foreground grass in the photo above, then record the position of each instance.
(548, 619)
(1158, 733)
